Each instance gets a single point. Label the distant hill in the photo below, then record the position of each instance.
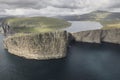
(94, 16)
(107, 19)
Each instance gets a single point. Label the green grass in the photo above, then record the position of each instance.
(107, 19)
(110, 24)
(36, 24)
(33, 29)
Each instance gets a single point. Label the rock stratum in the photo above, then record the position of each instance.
(53, 45)
(98, 36)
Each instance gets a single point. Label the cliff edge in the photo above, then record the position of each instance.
(53, 45)
(38, 46)
(98, 36)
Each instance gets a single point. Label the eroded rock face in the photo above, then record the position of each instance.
(111, 36)
(53, 45)
(39, 46)
(88, 36)
(98, 36)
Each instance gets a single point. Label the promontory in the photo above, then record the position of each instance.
(31, 43)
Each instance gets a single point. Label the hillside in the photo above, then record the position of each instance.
(107, 19)
(36, 24)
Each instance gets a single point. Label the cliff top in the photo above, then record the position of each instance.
(36, 24)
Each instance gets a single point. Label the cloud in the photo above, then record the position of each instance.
(55, 7)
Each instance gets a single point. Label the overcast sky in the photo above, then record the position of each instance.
(56, 7)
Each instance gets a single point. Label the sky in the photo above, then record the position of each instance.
(56, 7)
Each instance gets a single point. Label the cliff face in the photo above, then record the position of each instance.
(38, 46)
(98, 36)
(53, 45)
(111, 36)
(88, 36)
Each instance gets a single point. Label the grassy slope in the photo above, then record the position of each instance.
(110, 24)
(98, 16)
(107, 19)
(36, 24)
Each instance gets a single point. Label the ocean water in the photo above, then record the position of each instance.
(83, 62)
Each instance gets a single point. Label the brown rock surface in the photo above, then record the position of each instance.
(111, 36)
(88, 36)
(53, 45)
(49, 45)
(98, 36)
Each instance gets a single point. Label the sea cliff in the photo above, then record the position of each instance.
(38, 46)
(53, 45)
(98, 36)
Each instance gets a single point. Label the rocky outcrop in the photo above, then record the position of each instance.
(39, 46)
(6, 29)
(92, 36)
(98, 36)
(111, 36)
(53, 45)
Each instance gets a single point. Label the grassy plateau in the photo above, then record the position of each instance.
(36, 24)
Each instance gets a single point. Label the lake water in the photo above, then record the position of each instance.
(84, 62)
(83, 26)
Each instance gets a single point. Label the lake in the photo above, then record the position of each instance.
(84, 62)
(83, 26)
